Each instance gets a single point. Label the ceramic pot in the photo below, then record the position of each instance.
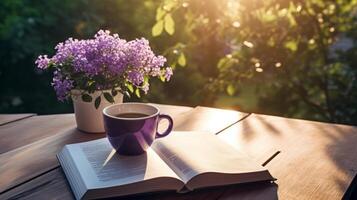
(88, 118)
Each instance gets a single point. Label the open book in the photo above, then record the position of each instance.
(182, 161)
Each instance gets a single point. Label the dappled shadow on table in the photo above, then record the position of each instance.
(342, 152)
(316, 160)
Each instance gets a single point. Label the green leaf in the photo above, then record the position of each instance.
(225, 63)
(231, 90)
(222, 63)
(157, 28)
(146, 79)
(97, 102)
(169, 24)
(86, 98)
(292, 20)
(162, 78)
(108, 97)
(114, 93)
(182, 60)
(267, 16)
(137, 92)
(160, 13)
(90, 83)
(169, 5)
(130, 88)
(291, 45)
(127, 94)
(283, 12)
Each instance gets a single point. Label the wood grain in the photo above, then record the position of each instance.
(29, 130)
(42, 188)
(171, 109)
(32, 160)
(16, 167)
(38, 156)
(317, 160)
(7, 118)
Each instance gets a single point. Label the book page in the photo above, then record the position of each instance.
(100, 166)
(193, 153)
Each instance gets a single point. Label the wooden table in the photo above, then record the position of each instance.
(310, 160)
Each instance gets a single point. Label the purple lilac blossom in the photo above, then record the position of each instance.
(61, 85)
(143, 61)
(94, 56)
(136, 77)
(42, 62)
(107, 56)
(168, 73)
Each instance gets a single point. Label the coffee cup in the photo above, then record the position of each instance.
(132, 127)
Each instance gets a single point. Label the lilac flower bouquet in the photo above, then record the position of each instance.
(104, 63)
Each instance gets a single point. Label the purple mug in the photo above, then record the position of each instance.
(132, 127)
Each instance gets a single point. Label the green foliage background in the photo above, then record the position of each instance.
(293, 58)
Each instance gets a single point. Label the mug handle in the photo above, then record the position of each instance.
(169, 128)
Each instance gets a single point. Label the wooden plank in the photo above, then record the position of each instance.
(171, 109)
(251, 191)
(26, 131)
(45, 158)
(52, 183)
(317, 160)
(32, 160)
(7, 118)
(37, 157)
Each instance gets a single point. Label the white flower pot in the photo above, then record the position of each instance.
(88, 118)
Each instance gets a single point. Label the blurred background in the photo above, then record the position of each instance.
(292, 58)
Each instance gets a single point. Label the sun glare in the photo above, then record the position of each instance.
(232, 8)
